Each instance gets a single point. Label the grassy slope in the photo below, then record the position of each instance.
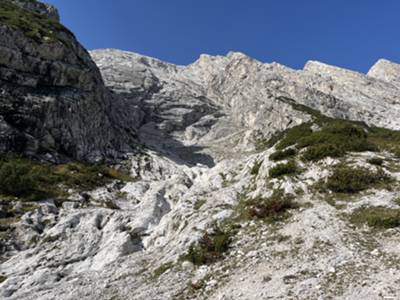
(33, 25)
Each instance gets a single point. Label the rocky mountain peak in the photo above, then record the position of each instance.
(387, 71)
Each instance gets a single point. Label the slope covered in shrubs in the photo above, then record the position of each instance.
(34, 180)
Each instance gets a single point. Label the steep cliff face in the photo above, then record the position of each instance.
(223, 106)
(53, 103)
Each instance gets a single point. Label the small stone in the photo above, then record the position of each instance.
(375, 252)
(187, 266)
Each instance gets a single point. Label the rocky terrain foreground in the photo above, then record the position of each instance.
(125, 177)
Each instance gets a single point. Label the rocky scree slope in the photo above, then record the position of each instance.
(249, 183)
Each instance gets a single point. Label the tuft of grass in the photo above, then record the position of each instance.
(162, 269)
(2, 278)
(256, 168)
(34, 26)
(377, 161)
(283, 154)
(199, 203)
(210, 248)
(32, 180)
(377, 217)
(282, 169)
(350, 180)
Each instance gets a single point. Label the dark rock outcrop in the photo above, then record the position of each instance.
(53, 103)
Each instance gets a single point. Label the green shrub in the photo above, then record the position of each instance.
(282, 154)
(319, 151)
(385, 139)
(210, 248)
(256, 168)
(272, 207)
(352, 180)
(33, 180)
(377, 161)
(378, 217)
(334, 139)
(292, 135)
(346, 135)
(289, 168)
(17, 179)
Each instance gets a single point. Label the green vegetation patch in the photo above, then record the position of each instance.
(292, 135)
(282, 169)
(199, 203)
(162, 269)
(320, 151)
(350, 180)
(283, 154)
(270, 209)
(33, 180)
(385, 139)
(377, 217)
(334, 137)
(210, 248)
(256, 168)
(33, 25)
(273, 207)
(377, 161)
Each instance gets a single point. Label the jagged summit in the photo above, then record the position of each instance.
(387, 71)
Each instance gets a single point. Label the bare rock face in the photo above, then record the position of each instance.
(53, 103)
(221, 106)
(386, 71)
(211, 109)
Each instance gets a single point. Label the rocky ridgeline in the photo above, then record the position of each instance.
(222, 103)
(246, 180)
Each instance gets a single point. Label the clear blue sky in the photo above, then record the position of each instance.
(348, 33)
